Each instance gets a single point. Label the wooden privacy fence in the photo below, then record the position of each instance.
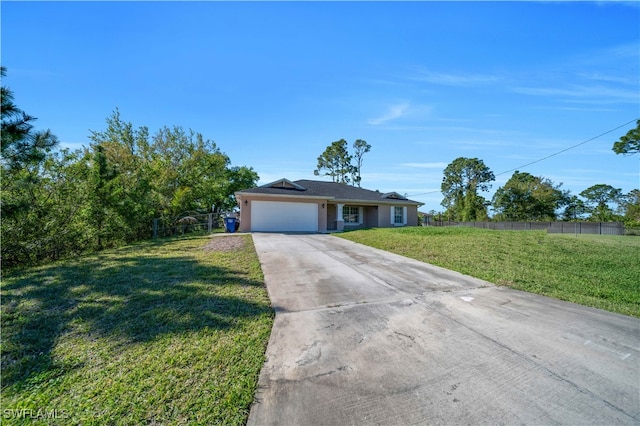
(601, 228)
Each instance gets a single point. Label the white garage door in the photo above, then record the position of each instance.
(275, 216)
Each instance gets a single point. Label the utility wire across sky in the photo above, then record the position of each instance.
(549, 156)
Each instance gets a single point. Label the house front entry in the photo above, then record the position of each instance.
(344, 217)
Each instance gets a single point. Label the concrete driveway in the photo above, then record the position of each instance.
(363, 336)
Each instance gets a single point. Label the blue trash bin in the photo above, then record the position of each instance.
(230, 224)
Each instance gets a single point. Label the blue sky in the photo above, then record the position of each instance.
(274, 83)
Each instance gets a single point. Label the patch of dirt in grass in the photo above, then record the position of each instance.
(505, 283)
(225, 243)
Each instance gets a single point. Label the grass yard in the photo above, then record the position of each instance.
(593, 270)
(168, 332)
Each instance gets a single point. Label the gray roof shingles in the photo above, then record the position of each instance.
(332, 190)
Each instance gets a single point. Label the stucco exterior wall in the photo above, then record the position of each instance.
(331, 217)
(412, 215)
(384, 216)
(245, 215)
(245, 209)
(373, 216)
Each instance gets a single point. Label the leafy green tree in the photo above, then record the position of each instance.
(528, 198)
(51, 226)
(336, 160)
(191, 172)
(598, 199)
(57, 203)
(238, 178)
(122, 180)
(26, 190)
(23, 151)
(101, 213)
(575, 208)
(64, 196)
(462, 180)
(631, 206)
(360, 148)
(629, 143)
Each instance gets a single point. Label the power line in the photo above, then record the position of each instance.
(570, 148)
(549, 156)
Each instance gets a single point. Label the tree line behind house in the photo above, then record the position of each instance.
(524, 197)
(58, 202)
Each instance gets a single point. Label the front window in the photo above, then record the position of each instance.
(398, 215)
(351, 214)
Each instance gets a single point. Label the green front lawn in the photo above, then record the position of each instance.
(593, 270)
(169, 332)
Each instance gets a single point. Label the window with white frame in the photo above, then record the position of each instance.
(398, 215)
(351, 214)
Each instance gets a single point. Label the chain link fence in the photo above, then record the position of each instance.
(186, 223)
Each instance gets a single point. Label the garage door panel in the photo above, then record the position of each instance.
(276, 216)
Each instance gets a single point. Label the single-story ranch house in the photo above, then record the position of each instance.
(317, 206)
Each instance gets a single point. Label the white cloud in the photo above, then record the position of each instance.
(609, 3)
(608, 78)
(451, 79)
(592, 93)
(582, 171)
(425, 165)
(600, 76)
(579, 109)
(387, 181)
(622, 52)
(392, 113)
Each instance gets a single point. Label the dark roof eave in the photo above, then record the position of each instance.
(331, 191)
(272, 195)
(376, 202)
(388, 202)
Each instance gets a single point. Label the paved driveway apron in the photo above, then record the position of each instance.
(363, 336)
